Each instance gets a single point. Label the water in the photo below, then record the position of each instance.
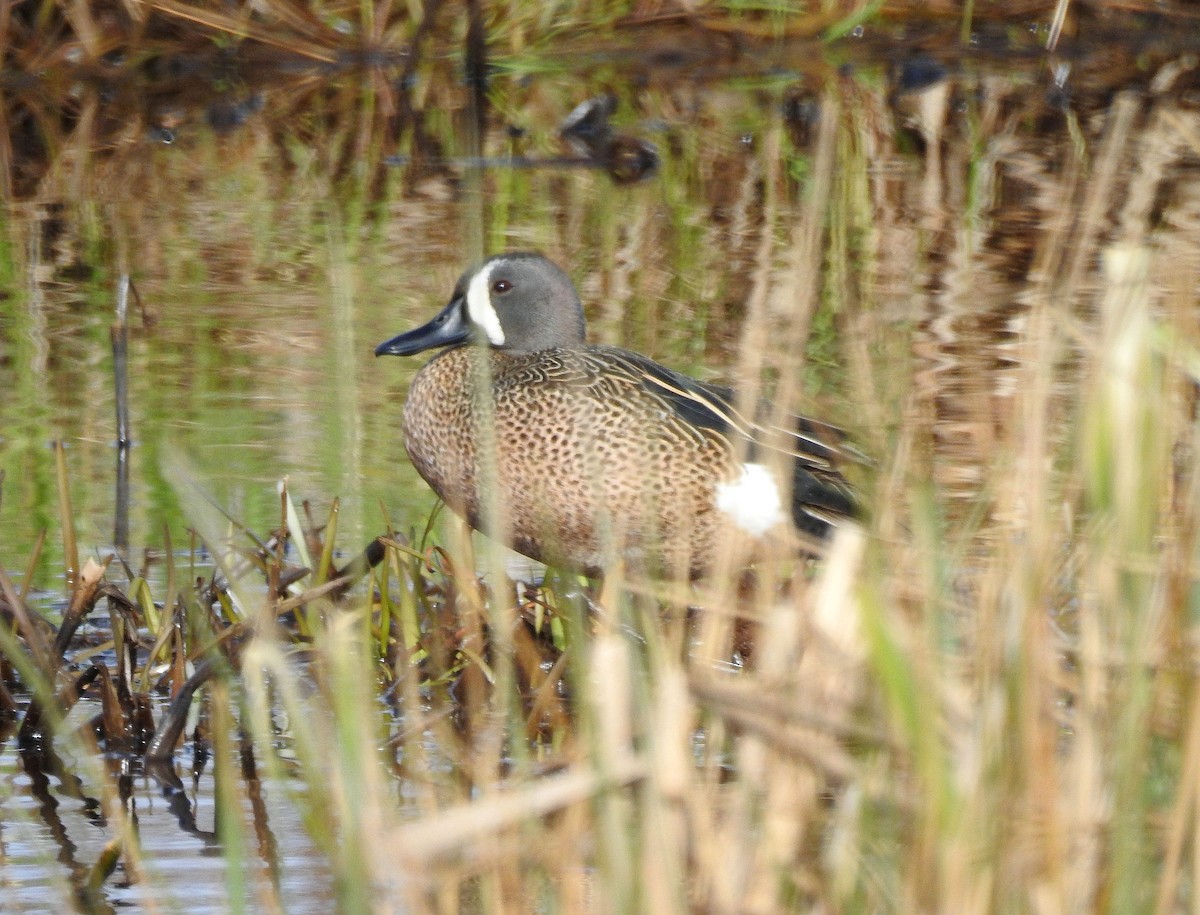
(265, 277)
(55, 827)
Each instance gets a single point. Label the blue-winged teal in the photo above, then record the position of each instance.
(596, 447)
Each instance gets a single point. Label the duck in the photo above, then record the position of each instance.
(596, 453)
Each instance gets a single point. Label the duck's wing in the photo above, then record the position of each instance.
(819, 491)
(818, 445)
(706, 406)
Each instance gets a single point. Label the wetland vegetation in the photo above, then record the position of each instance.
(969, 234)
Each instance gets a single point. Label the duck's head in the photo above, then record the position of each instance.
(519, 303)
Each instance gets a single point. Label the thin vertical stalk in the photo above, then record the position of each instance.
(66, 516)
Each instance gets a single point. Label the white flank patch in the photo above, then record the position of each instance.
(480, 308)
(752, 500)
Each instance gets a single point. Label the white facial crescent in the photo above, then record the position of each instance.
(480, 308)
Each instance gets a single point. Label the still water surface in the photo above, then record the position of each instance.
(53, 833)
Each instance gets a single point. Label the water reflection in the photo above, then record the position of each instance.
(54, 812)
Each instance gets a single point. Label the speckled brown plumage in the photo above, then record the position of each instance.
(596, 451)
(585, 458)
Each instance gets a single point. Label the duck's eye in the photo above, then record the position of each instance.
(501, 286)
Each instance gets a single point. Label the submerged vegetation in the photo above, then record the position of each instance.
(984, 698)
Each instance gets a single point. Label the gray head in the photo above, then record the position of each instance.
(518, 302)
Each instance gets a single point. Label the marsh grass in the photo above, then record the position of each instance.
(982, 698)
(937, 714)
